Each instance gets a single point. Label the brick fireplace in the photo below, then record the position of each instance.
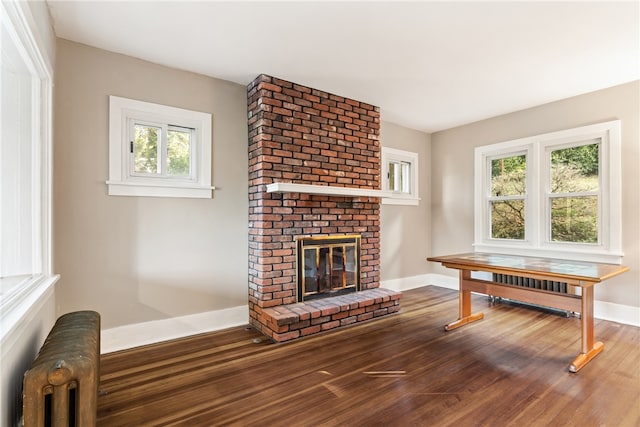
(329, 147)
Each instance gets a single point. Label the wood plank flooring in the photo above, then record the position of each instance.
(510, 369)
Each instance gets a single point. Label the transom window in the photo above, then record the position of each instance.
(556, 194)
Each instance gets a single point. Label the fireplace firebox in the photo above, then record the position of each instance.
(327, 266)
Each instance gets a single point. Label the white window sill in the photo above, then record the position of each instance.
(573, 254)
(165, 189)
(16, 302)
(407, 201)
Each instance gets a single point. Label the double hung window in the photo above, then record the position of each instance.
(556, 194)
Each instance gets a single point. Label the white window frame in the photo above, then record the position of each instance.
(23, 290)
(124, 113)
(410, 198)
(537, 241)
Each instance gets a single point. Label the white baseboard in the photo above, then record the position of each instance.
(138, 334)
(616, 312)
(134, 335)
(619, 313)
(406, 283)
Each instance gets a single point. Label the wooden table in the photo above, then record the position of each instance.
(583, 275)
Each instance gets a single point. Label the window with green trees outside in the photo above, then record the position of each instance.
(556, 194)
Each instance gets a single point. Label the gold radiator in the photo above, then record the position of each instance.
(61, 387)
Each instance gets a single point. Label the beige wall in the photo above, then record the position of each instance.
(406, 230)
(452, 173)
(136, 259)
(140, 259)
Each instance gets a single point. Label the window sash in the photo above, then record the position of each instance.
(192, 172)
(162, 157)
(399, 176)
(491, 199)
(134, 125)
(21, 182)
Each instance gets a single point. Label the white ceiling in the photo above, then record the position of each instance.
(428, 65)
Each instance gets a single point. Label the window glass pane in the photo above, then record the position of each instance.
(507, 219)
(575, 169)
(145, 149)
(508, 176)
(405, 186)
(400, 177)
(392, 176)
(574, 219)
(18, 164)
(179, 152)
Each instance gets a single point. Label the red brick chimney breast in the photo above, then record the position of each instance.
(302, 135)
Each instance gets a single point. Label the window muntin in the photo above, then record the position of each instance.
(572, 195)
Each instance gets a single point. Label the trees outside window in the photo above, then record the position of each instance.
(574, 194)
(557, 194)
(158, 151)
(508, 189)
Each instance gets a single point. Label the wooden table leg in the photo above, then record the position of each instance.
(589, 348)
(464, 311)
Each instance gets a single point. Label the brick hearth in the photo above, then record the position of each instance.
(297, 320)
(303, 135)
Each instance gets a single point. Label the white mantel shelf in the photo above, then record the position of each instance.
(287, 187)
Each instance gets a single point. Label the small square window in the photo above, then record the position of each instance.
(400, 177)
(158, 151)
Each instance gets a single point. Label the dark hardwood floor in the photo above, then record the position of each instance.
(510, 369)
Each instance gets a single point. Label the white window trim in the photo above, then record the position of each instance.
(123, 183)
(396, 198)
(535, 243)
(19, 295)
